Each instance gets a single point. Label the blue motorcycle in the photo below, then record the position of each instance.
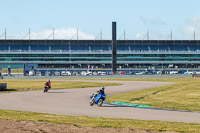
(97, 99)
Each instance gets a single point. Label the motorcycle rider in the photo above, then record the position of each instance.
(99, 91)
(48, 84)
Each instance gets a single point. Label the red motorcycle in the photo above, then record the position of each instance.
(46, 88)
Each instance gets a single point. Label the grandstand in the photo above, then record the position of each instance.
(97, 54)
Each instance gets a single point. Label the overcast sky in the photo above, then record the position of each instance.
(89, 16)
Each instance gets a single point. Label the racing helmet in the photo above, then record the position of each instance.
(103, 88)
(49, 81)
(98, 91)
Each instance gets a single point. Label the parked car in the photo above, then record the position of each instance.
(63, 73)
(188, 72)
(68, 73)
(101, 73)
(132, 73)
(75, 74)
(88, 73)
(47, 73)
(94, 73)
(57, 73)
(83, 73)
(197, 72)
(38, 73)
(140, 73)
(173, 72)
(31, 73)
(159, 72)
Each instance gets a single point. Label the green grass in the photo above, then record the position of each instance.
(13, 70)
(25, 85)
(101, 122)
(184, 95)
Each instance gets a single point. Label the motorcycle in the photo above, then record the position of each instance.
(97, 99)
(46, 88)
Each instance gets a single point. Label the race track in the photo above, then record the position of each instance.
(76, 102)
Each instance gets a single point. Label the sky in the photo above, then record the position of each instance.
(89, 17)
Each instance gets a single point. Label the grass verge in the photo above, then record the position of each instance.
(13, 70)
(184, 95)
(25, 85)
(100, 122)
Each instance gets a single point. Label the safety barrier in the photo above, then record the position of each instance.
(3, 86)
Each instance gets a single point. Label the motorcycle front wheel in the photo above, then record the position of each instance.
(91, 103)
(45, 90)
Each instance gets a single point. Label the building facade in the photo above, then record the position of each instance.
(97, 54)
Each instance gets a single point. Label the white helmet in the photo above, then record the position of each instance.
(103, 88)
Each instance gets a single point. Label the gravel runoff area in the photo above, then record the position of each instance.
(76, 102)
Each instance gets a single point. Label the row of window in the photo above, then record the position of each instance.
(99, 55)
(55, 55)
(85, 59)
(100, 47)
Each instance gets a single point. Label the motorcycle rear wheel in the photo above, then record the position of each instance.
(100, 102)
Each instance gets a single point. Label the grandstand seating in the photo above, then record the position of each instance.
(193, 47)
(79, 47)
(60, 47)
(122, 47)
(99, 47)
(3, 47)
(138, 46)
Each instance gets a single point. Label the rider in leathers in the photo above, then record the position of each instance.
(48, 84)
(99, 91)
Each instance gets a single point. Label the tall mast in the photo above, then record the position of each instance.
(29, 33)
(171, 35)
(77, 34)
(53, 34)
(101, 34)
(124, 34)
(5, 34)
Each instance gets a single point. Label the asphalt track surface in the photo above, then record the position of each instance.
(75, 102)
